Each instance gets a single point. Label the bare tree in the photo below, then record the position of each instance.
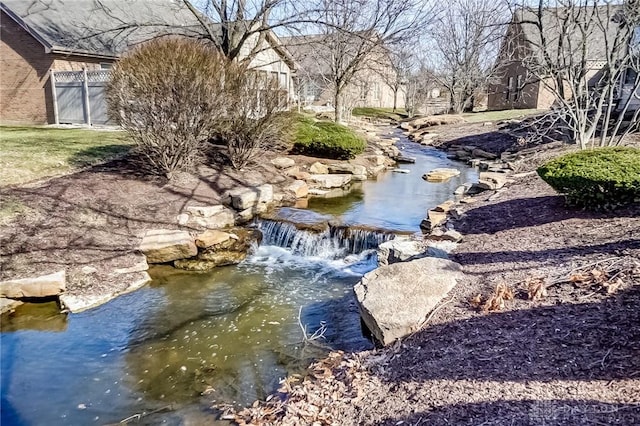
(353, 33)
(238, 28)
(423, 92)
(465, 42)
(395, 70)
(580, 51)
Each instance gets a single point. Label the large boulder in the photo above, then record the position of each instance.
(433, 220)
(42, 286)
(327, 181)
(491, 180)
(166, 245)
(401, 249)
(207, 217)
(318, 168)
(347, 168)
(394, 300)
(297, 189)
(246, 198)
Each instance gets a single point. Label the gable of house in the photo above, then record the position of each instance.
(524, 46)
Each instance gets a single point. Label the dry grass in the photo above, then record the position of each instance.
(479, 117)
(30, 153)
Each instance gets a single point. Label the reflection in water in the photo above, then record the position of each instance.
(35, 316)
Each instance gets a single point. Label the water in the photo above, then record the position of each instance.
(188, 339)
(398, 201)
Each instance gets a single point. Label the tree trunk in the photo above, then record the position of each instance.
(395, 99)
(337, 107)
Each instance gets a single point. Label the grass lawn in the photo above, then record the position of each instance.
(29, 153)
(384, 113)
(478, 117)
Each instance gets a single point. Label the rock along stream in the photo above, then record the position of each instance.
(174, 347)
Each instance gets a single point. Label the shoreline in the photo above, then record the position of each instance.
(528, 362)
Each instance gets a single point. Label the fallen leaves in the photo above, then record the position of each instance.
(495, 301)
(536, 289)
(601, 279)
(305, 400)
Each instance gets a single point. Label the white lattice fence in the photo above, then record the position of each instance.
(79, 96)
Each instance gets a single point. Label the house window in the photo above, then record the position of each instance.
(376, 91)
(312, 92)
(635, 41)
(509, 86)
(106, 65)
(274, 76)
(364, 89)
(518, 88)
(284, 81)
(630, 76)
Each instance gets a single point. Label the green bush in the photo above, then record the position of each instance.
(598, 179)
(326, 139)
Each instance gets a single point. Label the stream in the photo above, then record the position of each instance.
(188, 340)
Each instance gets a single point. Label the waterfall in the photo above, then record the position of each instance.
(331, 243)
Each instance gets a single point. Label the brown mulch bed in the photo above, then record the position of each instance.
(570, 357)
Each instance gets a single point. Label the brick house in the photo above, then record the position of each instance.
(515, 86)
(40, 39)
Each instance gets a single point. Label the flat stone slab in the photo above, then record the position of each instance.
(42, 286)
(245, 198)
(328, 181)
(205, 211)
(166, 245)
(440, 175)
(283, 162)
(491, 180)
(79, 303)
(211, 237)
(395, 299)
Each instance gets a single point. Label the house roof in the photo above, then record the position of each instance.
(102, 28)
(308, 51)
(107, 28)
(551, 20)
(315, 53)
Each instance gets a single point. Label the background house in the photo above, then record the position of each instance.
(55, 55)
(630, 85)
(371, 85)
(516, 86)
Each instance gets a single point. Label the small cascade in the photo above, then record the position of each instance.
(331, 243)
